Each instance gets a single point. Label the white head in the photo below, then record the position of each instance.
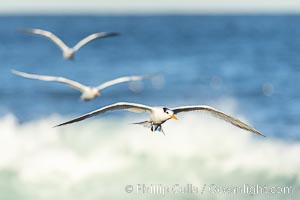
(68, 54)
(169, 113)
(90, 94)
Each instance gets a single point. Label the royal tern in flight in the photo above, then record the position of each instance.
(88, 93)
(68, 52)
(159, 115)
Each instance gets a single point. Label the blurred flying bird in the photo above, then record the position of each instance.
(88, 93)
(68, 52)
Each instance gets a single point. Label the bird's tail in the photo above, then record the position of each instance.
(153, 127)
(144, 124)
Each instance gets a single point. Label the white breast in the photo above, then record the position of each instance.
(87, 95)
(158, 116)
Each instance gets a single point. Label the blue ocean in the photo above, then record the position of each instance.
(247, 66)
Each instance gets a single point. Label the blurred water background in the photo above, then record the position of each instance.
(247, 66)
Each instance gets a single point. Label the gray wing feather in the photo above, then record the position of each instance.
(117, 106)
(48, 35)
(91, 37)
(69, 82)
(124, 79)
(218, 114)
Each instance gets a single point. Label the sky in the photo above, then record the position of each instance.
(149, 6)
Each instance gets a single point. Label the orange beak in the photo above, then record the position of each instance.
(174, 117)
(98, 94)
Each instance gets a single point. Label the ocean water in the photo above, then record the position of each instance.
(247, 66)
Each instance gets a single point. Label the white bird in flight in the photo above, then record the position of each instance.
(88, 93)
(159, 115)
(68, 52)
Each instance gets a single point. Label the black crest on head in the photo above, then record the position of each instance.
(165, 109)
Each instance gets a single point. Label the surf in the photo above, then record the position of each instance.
(106, 154)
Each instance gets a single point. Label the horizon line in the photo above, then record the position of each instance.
(150, 12)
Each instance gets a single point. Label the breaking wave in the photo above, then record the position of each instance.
(97, 158)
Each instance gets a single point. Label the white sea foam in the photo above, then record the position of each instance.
(97, 158)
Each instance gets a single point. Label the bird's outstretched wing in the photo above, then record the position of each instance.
(69, 82)
(91, 37)
(123, 79)
(219, 114)
(48, 35)
(132, 107)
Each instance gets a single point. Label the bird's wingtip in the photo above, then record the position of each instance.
(13, 71)
(115, 33)
(259, 133)
(59, 125)
(148, 76)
